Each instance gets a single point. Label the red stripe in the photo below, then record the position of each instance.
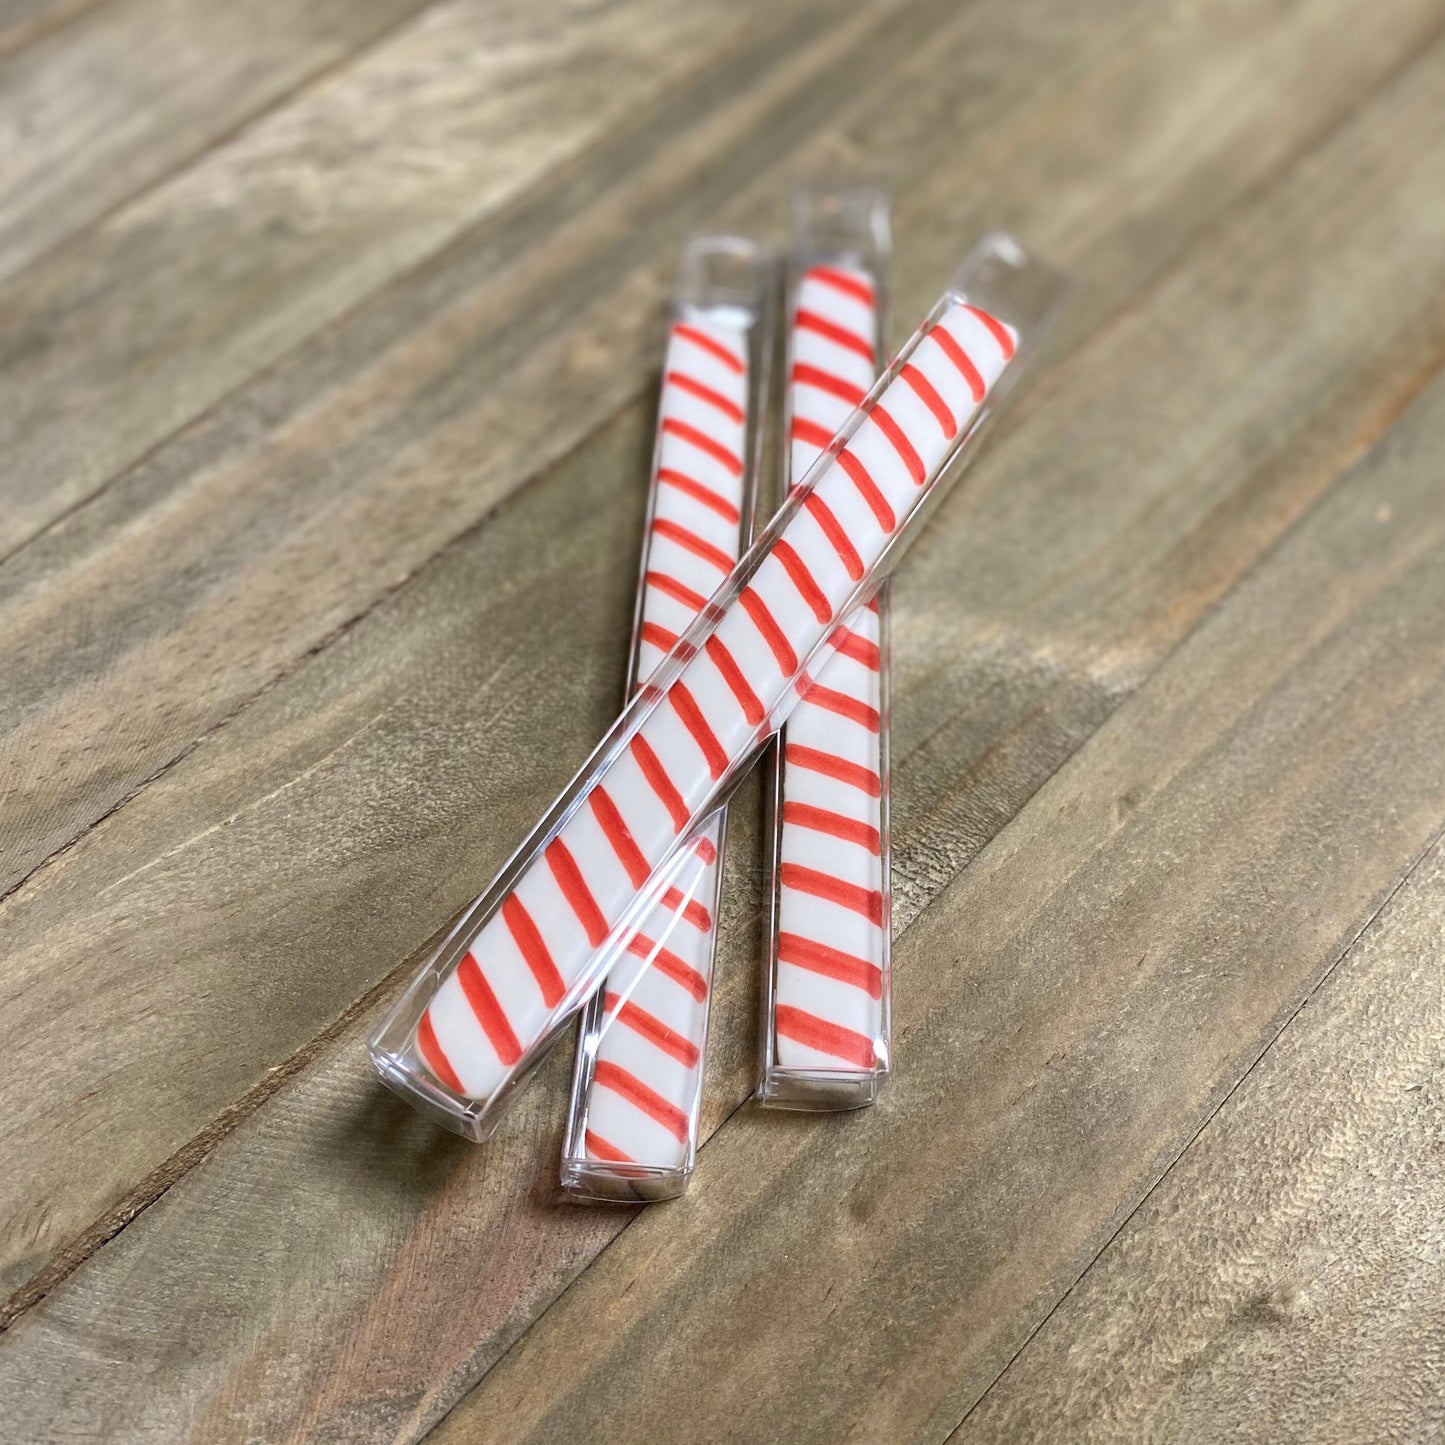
(767, 625)
(608, 1075)
(839, 386)
(488, 1011)
(831, 963)
(867, 901)
(685, 706)
(901, 444)
(655, 1031)
(997, 330)
(693, 387)
(811, 321)
(877, 502)
(620, 836)
(850, 285)
(852, 708)
(671, 587)
(674, 901)
(669, 965)
(671, 477)
(836, 768)
(435, 1055)
(815, 1033)
(576, 892)
(820, 820)
(704, 443)
(601, 1149)
(693, 543)
(925, 392)
(851, 644)
(802, 579)
(732, 674)
(812, 433)
(658, 636)
(533, 949)
(705, 850)
(832, 529)
(959, 357)
(660, 783)
(725, 355)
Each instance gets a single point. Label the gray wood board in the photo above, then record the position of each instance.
(1284, 1281)
(170, 303)
(193, 809)
(100, 108)
(1069, 1014)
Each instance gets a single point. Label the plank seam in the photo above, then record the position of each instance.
(337, 634)
(313, 80)
(1344, 465)
(1329, 971)
(155, 1185)
(196, 1150)
(567, 168)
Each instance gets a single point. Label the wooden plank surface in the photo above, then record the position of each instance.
(1284, 1280)
(280, 695)
(173, 301)
(262, 532)
(96, 109)
(1070, 1012)
(425, 489)
(277, 975)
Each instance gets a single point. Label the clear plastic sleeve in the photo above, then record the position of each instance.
(637, 1083)
(530, 951)
(826, 1000)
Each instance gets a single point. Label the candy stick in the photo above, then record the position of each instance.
(825, 1032)
(541, 939)
(637, 1085)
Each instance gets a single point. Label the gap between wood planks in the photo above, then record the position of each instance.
(548, 182)
(435, 257)
(1378, 425)
(1209, 1118)
(312, 81)
(551, 179)
(155, 1184)
(337, 634)
(161, 1179)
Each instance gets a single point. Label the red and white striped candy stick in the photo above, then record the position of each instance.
(637, 1085)
(826, 1005)
(533, 948)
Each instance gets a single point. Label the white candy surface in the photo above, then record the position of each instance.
(830, 902)
(502, 997)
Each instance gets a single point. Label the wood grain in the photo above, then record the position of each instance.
(322, 833)
(220, 564)
(209, 572)
(147, 854)
(1070, 1012)
(1283, 1280)
(177, 299)
(282, 693)
(106, 105)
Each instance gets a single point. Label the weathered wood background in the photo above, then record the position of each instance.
(328, 346)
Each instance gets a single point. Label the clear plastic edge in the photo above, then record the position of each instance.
(700, 288)
(847, 225)
(738, 275)
(999, 275)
